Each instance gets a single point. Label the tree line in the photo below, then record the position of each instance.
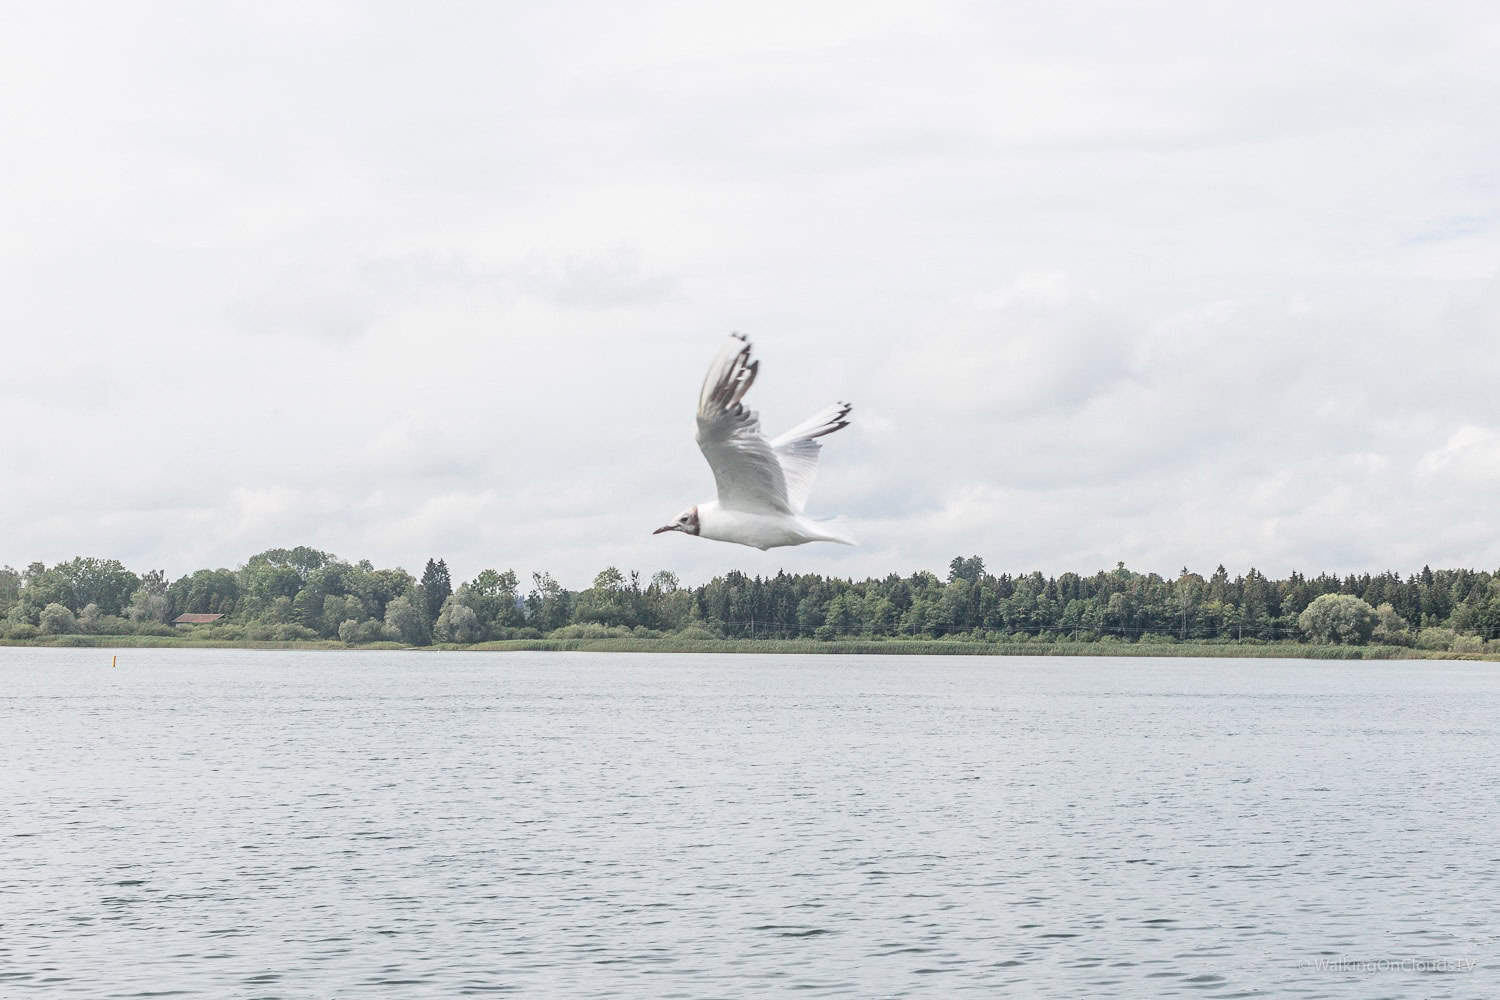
(304, 593)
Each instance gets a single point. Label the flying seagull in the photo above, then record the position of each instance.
(763, 484)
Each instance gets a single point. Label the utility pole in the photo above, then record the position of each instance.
(1182, 587)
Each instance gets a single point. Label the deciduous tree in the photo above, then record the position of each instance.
(1337, 618)
(56, 619)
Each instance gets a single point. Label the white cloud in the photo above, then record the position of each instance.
(1172, 286)
(1471, 458)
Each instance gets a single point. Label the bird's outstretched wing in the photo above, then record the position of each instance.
(797, 451)
(747, 470)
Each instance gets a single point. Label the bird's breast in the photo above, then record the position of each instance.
(762, 531)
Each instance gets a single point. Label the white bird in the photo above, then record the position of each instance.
(763, 484)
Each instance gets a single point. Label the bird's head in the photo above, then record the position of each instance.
(686, 522)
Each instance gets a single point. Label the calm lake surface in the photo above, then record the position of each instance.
(225, 823)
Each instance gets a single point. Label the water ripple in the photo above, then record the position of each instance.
(272, 824)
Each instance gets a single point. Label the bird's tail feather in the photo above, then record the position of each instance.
(835, 530)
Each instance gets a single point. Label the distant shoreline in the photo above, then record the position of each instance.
(885, 647)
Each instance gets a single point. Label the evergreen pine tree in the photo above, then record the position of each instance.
(437, 587)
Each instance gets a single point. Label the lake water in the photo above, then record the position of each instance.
(225, 823)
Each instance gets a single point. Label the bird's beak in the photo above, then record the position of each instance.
(665, 527)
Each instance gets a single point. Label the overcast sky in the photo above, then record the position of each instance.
(1188, 284)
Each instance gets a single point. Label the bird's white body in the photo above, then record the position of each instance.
(763, 483)
(760, 531)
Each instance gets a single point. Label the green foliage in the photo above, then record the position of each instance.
(1390, 628)
(301, 560)
(492, 596)
(40, 587)
(609, 601)
(338, 609)
(457, 622)
(356, 632)
(1467, 644)
(377, 587)
(436, 587)
(149, 601)
(74, 584)
(1478, 611)
(593, 630)
(1341, 619)
(204, 592)
(268, 576)
(404, 622)
(1436, 638)
(291, 595)
(10, 589)
(56, 619)
(307, 608)
(548, 606)
(265, 583)
(970, 569)
(105, 582)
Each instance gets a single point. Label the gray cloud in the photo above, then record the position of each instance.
(1173, 286)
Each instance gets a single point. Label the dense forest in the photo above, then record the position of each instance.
(303, 593)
